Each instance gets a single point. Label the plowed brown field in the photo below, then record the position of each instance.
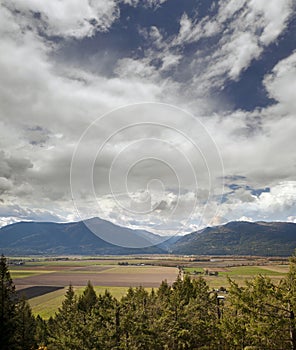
(146, 276)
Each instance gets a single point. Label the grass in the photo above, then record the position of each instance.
(85, 271)
(250, 271)
(222, 281)
(26, 273)
(47, 305)
(70, 263)
(138, 269)
(242, 273)
(117, 292)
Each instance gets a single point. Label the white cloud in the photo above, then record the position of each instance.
(292, 219)
(45, 106)
(170, 61)
(248, 27)
(235, 55)
(10, 214)
(44, 110)
(230, 9)
(188, 31)
(280, 198)
(135, 69)
(278, 205)
(148, 3)
(239, 34)
(281, 83)
(155, 3)
(274, 16)
(68, 18)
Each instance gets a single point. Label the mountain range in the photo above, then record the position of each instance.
(233, 238)
(240, 238)
(75, 238)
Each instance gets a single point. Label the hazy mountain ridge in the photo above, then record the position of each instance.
(245, 238)
(69, 238)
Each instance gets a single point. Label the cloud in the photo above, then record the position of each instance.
(275, 17)
(13, 166)
(208, 52)
(48, 102)
(14, 213)
(146, 3)
(5, 185)
(248, 27)
(237, 54)
(281, 83)
(277, 205)
(68, 18)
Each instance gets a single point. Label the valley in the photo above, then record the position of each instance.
(44, 281)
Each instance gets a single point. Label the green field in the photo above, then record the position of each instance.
(46, 305)
(70, 263)
(242, 273)
(250, 271)
(26, 273)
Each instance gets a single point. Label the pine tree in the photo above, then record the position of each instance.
(65, 328)
(25, 327)
(41, 333)
(189, 318)
(288, 287)
(8, 300)
(257, 316)
(104, 323)
(88, 299)
(136, 322)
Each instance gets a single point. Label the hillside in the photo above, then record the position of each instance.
(242, 238)
(27, 238)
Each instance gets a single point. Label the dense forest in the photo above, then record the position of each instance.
(185, 315)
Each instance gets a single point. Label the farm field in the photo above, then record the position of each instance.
(120, 276)
(44, 282)
(46, 305)
(241, 275)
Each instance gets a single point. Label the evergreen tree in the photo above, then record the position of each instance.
(256, 316)
(41, 333)
(164, 292)
(65, 328)
(104, 324)
(288, 288)
(189, 319)
(25, 327)
(203, 315)
(88, 299)
(8, 300)
(136, 322)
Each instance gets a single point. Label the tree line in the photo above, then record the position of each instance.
(183, 316)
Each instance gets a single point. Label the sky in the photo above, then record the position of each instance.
(165, 115)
